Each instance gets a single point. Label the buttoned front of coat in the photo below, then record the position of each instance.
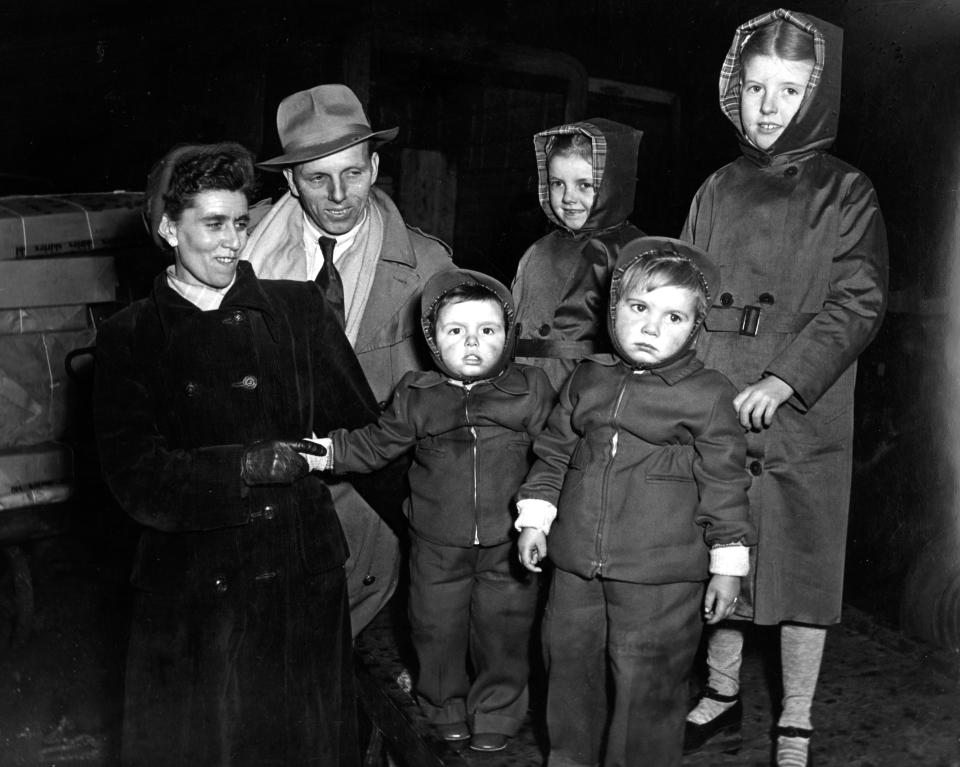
(181, 392)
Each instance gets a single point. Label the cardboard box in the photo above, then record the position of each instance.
(38, 319)
(36, 474)
(57, 281)
(43, 226)
(37, 397)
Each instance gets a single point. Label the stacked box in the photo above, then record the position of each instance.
(44, 226)
(35, 475)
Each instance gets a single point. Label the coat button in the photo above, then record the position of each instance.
(220, 584)
(726, 299)
(369, 579)
(545, 329)
(191, 389)
(765, 298)
(756, 468)
(791, 171)
(247, 382)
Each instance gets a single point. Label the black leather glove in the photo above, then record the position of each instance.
(277, 461)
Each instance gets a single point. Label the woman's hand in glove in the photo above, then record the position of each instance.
(277, 461)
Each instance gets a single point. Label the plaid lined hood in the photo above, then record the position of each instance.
(815, 124)
(616, 148)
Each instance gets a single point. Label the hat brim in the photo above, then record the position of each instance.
(316, 151)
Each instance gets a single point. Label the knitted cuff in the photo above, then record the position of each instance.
(730, 559)
(534, 512)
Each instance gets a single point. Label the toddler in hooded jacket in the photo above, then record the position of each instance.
(470, 425)
(639, 486)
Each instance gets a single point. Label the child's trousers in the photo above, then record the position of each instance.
(477, 601)
(647, 636)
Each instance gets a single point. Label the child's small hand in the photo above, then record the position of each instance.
(721, 598)
(758, 402)
(322, 459)
(532, 548)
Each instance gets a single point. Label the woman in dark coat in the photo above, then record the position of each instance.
(240, 643)
(802, 249)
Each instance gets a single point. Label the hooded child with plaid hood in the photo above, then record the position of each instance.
(800, 241)
(587, 183)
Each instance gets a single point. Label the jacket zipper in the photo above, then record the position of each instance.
(614, 440)
(473, 433)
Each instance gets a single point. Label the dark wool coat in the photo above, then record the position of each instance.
(562, 280)
(798, 235)
(240, 646)
(471, 446)
(644, 463)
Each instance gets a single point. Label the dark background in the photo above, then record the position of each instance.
(94, 92)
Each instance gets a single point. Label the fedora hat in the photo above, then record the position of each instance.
(321, 121)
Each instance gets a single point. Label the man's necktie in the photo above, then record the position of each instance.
(328, 278)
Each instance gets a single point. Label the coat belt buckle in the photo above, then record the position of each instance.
(750, 320)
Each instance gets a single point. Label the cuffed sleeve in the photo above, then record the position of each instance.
(536, 513)
(733, 559)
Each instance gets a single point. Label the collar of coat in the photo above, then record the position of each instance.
(676, 371)
(511, 381)
(245, 293)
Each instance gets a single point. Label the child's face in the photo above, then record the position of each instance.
(470, 336)
(652, 325)
(772, 92)
(570, 178)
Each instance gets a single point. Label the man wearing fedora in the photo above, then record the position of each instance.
(334, 226)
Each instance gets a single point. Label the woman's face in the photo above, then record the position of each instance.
(207, 237)
(771, 93)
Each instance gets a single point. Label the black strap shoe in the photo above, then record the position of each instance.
(722, 732)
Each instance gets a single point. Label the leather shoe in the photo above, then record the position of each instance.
(456, 732)
(722, 732)
(488, 741)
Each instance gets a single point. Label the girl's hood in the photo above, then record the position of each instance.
(815, 124)
(442, 283)
(637, 249)
(616, 148)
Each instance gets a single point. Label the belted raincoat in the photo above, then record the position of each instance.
(802, 250)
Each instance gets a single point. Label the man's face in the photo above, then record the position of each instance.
(333, 190)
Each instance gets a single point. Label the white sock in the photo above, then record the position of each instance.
(724, 656)
(801, 652)
(792, 752)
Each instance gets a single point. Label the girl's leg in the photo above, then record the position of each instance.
(575, 639)
(654, 631)
(801, 653)
(441, 581)
(724, 657)
(502, 610)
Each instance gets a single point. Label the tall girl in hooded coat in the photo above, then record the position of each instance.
(802, 251)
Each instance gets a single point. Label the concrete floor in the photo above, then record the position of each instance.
(883, 700)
